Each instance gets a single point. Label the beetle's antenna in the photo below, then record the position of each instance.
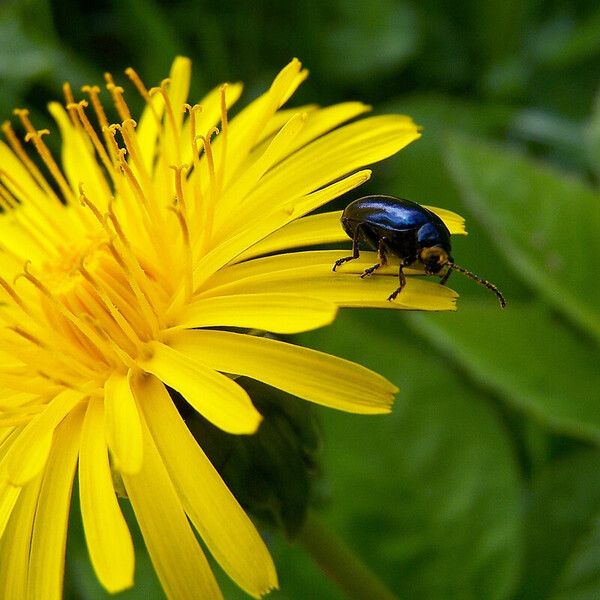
(479, 280)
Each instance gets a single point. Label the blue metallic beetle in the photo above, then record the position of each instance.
(409, 231)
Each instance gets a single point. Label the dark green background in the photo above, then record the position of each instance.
(485, 480)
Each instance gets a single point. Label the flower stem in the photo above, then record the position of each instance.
(340, 563)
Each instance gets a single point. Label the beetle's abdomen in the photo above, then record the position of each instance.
(387, 212)
(404, 226)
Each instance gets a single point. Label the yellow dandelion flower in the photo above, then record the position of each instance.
(116, 268)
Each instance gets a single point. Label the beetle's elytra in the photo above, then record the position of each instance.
(407, 230)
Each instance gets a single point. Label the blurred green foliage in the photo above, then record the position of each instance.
(485, 480)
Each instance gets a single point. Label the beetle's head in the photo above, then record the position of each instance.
(434, 258)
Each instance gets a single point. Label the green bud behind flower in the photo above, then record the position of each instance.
(273, 472)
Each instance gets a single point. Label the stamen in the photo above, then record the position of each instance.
(141, 88)
(132, 179)
(61, 382)
(116, 92)
(26, 335)
(9, 290)
(93, 92)
(57, 356)
(36, 137)
(224, 127)
(91, 133)
(130, 265)
(188, 267)
(173, 130)
(78, 321)
(68, 93)
(195, 177)
(69, 101)
(85, 201)
(208, 152)
(125, 326)
(127, 130)
(208, 207)
(18, 149)
(121, 354)
(179, 197)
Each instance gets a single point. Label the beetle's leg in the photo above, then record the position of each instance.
(445, 277)
(402, 280)
(381, 257)
(355, 250)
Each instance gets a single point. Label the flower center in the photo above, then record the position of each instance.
(63, 274)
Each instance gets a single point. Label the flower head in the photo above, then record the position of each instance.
(138, 261)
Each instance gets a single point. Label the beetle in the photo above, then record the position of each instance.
(407, 230)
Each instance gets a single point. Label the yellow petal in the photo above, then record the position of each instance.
(9, 494)
(49, 539)
(15, 544)
(264, 224)
(311, 273)
(213, 395)
(320, 121)
(325, 119)
(79, 159)
(229, 249)
(277, 121)
(179, 85)
(223, 525)
(306, 373)
(123, 428)
(108, 538)
(246, 127)
(279, 147)
(28, 454)
(324, 228)
(279, 313)
(329, 157)
(175, 553)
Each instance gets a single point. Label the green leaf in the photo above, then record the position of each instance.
(373, 41)
(545, 222)
(272, 472)
(593, 137)
(528, 355)
(429, 495)
(563, 533)
(563, 43)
